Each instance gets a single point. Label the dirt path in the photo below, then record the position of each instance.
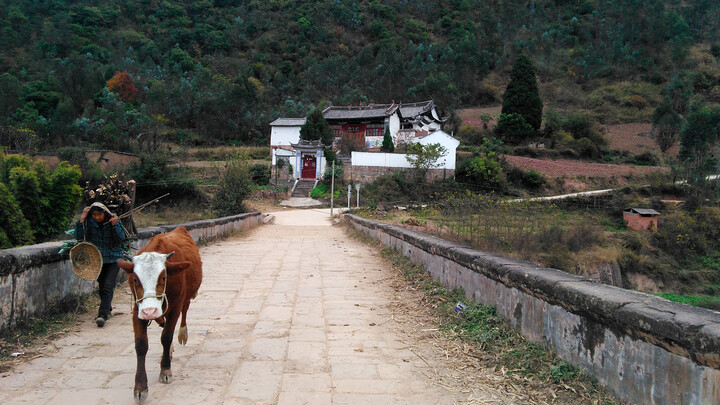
(293, 313)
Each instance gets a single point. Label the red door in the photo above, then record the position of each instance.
(308, 168)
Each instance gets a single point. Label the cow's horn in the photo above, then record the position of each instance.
(169, 254)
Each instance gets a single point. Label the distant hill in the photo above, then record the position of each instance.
(219, 71)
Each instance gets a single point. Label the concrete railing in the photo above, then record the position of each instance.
(33, 278)
(645, 349)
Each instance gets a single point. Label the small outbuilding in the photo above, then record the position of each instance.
(641, 219)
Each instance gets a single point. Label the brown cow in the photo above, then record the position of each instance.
(163, 277)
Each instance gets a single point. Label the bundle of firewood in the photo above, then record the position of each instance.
(116, 193)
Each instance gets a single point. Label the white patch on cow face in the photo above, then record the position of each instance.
(148, 267)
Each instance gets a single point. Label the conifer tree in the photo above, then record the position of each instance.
(522, 95)
(387, 144)
(316, 127)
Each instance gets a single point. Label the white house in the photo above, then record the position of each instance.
(283, 133)
(399, 160)
(365, 126)
(447, 141)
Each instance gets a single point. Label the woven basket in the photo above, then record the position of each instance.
(86, 261)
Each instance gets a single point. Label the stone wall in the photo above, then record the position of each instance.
(33, 278)
(368, 174)
(643, 348)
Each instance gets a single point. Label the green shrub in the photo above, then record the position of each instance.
(471, 135)
(481, 173)
(715, 50)
(586, 148)
(393, 188)
(530, 179)
(235, 187)
(321, 190)
(649, 158)
(339, 173)
(48, 200)
(63, 196)
(512, 128)
(260, 174)
(15, 230)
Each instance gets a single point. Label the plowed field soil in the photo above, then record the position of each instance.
(566, 167)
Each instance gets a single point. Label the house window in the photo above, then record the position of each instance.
(373, 132)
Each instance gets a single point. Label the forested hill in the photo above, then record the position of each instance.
(221, 70)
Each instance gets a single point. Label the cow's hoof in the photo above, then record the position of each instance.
(140, 396)
(182, 335)
(165, 376)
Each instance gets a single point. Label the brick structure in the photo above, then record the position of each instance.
(641, 219)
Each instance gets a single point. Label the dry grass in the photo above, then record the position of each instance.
(173, 213)
(476, 371)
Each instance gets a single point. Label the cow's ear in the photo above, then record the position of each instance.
(174, 267)
(127, 266)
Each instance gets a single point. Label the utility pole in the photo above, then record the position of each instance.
(349, 195)
(357, 187)
(332, 189)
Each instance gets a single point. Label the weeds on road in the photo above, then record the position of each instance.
(492, 338)
(24, 338)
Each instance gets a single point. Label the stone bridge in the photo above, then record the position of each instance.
(289, 313)
(298, 313)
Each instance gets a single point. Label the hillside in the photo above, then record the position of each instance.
(206, 71)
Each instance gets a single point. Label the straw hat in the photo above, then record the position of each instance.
(86, 261)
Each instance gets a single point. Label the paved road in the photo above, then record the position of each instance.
(293, 313)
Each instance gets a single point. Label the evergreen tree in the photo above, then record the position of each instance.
(316, 127)
(666, 125)
(387, 145)
(522, 95)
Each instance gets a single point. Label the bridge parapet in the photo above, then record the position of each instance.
(33, 278)
(644, 348)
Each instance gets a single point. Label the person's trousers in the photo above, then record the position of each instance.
(106, 287)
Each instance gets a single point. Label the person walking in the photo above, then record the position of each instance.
(102, 228)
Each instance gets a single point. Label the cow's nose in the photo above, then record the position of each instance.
(149, 313)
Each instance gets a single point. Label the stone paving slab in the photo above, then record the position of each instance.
(283, 316)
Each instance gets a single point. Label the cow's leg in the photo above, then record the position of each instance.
(182, 333)
(140, 391)
(166, 339)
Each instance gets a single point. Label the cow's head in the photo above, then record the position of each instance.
(147, 276)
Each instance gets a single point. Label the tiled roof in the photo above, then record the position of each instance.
(303, 144)
(288, 122)
(361, 112)
(410, 110)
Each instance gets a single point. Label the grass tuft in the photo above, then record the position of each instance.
(500, 345)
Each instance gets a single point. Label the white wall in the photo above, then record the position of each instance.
(400, 160)
(380, 159)
(284, 135)
(447, 141)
